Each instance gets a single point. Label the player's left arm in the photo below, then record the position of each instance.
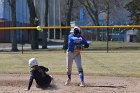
(84, 41)
(44, 68)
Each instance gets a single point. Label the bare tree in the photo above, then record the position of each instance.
(68, 20)
(92, 9)
(69, 11)
(12, 4)
(134, 8)
(95, 7)
(44, 37)
(34, 22)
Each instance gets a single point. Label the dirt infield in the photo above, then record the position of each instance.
(15, 83)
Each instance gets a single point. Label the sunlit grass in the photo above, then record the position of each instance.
(94, 63)
(114, 45)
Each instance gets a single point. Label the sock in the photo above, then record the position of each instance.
(81, 76)
(69, 77)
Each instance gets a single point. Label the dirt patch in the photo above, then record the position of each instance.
(15, 83)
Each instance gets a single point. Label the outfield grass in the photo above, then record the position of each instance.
(114, 45)
(94, 63)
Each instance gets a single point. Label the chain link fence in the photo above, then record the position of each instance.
(116, 38)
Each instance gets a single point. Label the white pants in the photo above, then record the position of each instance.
(70, 56)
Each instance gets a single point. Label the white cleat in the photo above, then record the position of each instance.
(82, 84)
(67, 82)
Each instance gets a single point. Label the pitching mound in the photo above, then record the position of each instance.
(16, 83)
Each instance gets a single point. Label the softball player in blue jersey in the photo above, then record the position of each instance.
(76, 42)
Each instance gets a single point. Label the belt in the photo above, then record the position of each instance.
(70, 51)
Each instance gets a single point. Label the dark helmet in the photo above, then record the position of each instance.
(77, 30)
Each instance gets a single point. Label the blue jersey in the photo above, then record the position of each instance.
(74, 40)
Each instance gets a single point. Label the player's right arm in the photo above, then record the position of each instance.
(30, 82)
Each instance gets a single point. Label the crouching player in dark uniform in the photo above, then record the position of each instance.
(38, 73)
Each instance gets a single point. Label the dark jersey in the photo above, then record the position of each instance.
(42, 79)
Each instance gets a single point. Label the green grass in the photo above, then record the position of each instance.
(114, 45)
(94, 63)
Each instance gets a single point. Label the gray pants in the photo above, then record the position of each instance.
(70, 56)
